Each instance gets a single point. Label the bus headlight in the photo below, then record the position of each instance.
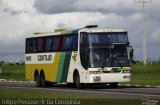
(95, 72)
(126, 71)
(127, 76)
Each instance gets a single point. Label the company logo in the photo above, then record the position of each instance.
(74, 57)
(149, 102)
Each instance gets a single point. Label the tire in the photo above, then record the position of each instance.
(37, 79)
(113, 85)
(42, 80)
(77, 82)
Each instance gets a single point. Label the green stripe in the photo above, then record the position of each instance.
(66, 67)
(63, 67)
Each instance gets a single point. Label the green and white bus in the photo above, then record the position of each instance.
(89, 55)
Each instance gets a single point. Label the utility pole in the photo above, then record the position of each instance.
(143, 28)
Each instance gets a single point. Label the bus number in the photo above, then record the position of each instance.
(28, 58)
(44, 57)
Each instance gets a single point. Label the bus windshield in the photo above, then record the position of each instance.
(108, 37)
(105, 49)
(105, 56)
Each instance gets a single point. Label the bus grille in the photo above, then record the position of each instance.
(113, 71)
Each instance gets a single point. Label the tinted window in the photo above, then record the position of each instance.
(59, 43)
(64, 43)
(56, 43)
(49, 43)
(41, 44)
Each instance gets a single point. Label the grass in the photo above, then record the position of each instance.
(146, 75)
(12, 72)
(16, 94)
(141, 75)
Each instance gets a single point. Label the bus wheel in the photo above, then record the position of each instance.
(43, 81)
(77, 82)
(37, 80)
(113, 85)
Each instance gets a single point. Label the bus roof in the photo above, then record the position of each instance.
(97, 29)
(94, 29)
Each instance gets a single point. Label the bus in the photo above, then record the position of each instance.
(89, 55)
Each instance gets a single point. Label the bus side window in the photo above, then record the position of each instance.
(41, 44)
(27, 46)
(49, 44)
(59, 43)
(34, 45)
(30, 46)
(64, 43)
(54, 46)
(69, 42)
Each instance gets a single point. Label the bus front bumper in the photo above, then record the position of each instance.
(109, 77)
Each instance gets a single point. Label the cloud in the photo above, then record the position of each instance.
(20, 18)
(156, 35)
(103, 6)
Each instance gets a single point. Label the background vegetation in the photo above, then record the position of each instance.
(141, 75)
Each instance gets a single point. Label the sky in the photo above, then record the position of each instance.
(20, 18)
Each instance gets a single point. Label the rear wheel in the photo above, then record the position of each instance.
(113, 85)
(77, 82)
(42, 80)
(37, 79)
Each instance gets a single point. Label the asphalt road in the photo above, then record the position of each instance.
(122, 92)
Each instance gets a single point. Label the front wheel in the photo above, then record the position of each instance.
(77, 82)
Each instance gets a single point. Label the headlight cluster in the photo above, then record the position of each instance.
(126, 71)
(95, 72)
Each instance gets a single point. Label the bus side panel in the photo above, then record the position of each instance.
(63, 67)
(60, 66)
(55, 65)
(29, 73)
(66, 66)
(72, 66)
(50, 70)
(30, 70)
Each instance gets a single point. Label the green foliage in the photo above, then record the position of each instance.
(141, 75)
(149, 68)
(146, 74)
(13, 72)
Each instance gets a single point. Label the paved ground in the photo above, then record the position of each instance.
(122, 92)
